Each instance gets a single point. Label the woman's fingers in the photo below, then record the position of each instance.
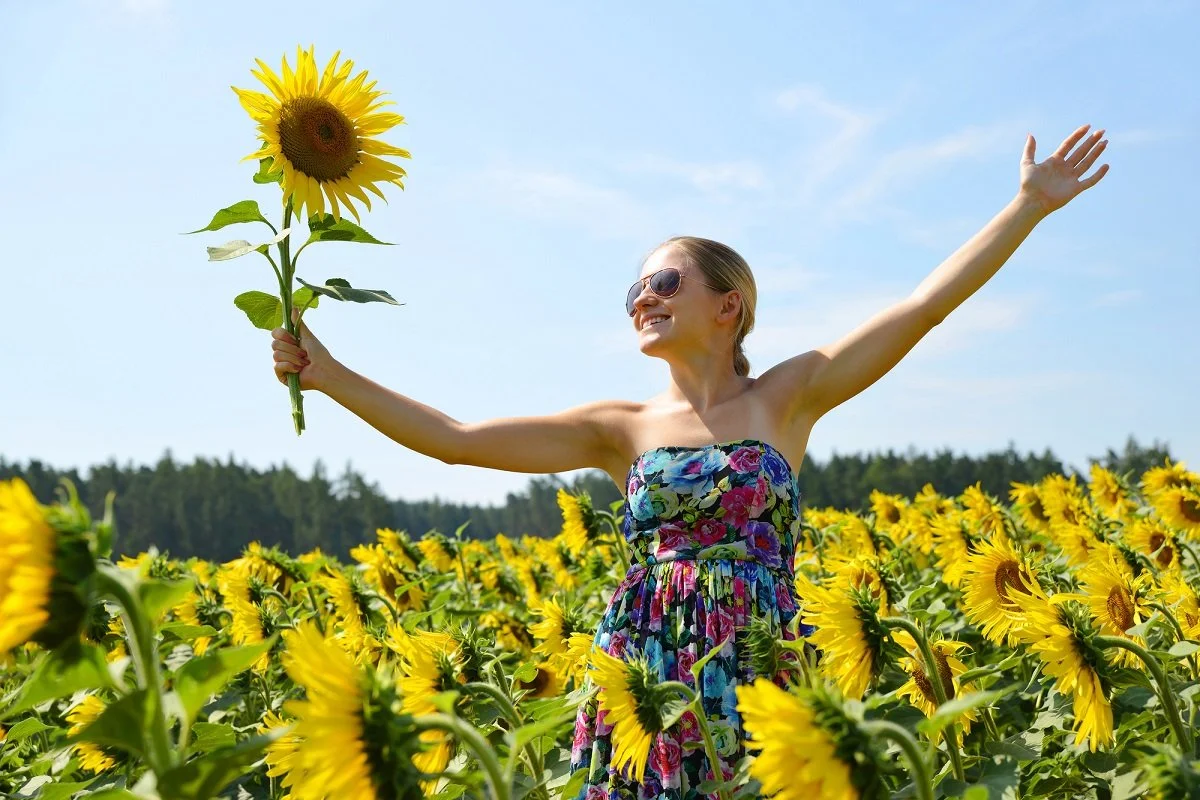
(280, 346)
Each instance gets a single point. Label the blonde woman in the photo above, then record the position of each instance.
(708, 467)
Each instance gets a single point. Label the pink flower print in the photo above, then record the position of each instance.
(784, 597)
(656, 611)
(684, 660)
(672, 538)
(736, 503)
(709, 531)
(583, 737)
(664, 759)
(762, 490)
(596, 793)
(617, 644)
(719, 623)
(745, 459)
(689, 728)
(602, 726)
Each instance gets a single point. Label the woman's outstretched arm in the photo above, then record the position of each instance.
(819, 380)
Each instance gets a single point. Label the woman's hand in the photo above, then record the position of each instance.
(1054, 182)
(308, 357)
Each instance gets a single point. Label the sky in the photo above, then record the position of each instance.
(845, 150)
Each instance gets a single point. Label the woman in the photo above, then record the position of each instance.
(708, 466)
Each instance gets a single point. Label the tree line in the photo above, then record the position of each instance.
(212, 509)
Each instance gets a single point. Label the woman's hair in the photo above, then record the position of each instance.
(725, 269)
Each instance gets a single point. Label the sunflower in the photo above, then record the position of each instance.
(1179, 595)
(1078, 542)
(805, 745)
(319, 133)
(931, 503)
(186, 611)
(1179, 506)
(1028, 501)
(246, 626)
(982, 512)
(438, 551)
(993, 574)
(952, 546)
(863, 571)
(1151, 538)
(92, 757)
(919, 690)
(848, 632)
(557, 626)
(1062, 640)
(887, 508)
(511, 633)
(1063, 500)
(544, 683)
(46, 568)
(1157, 479)
(1107, 493)
(576, 513)
(1118, 601)
(629, 701)
(385, 572)
(430, 662)
(350, 736)
(351, 613)
(281, 753)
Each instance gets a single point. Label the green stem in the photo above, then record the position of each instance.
(293, 378)
(1164, 688)
(710, 747)
(1187, 549)
(470, 736)
(933, 675)
(916, 763)
(138, 629)
(312, 598)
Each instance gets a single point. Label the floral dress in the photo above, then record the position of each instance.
(712, 532)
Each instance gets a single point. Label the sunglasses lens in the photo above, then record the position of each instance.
(663, 283)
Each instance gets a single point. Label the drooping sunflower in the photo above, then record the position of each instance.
(557, 626)
(1179, 506)
(352, 738)
(848, 632)
(351, 613)
(385, 572)
(576, 513)
(995, 572)
(1118, 600)
(46, 568)
(919, 689)
(1107, 493)
(952, 546)
(982, 512)
(92, 757)
(863, 571)
(1062, 639)
(319, 130)
(806, 747)
(1181, 597)
(246, 626)
(887, 508)
(1028, 501)
(629, 699)
(439, 551)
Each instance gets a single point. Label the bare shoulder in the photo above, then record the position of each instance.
(783, 387)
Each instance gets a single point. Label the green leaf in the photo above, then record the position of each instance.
(245, 211)
(673, 710)
(157, 595)
(527, 733)
(202, 677)
(72, 667)
(208, 775)
(953, 709)
(230, 250)
(63, 790)
(329, 230)
(123, 724)
(340, 289)
(185, 632)
(1183, 649)
(209, 736)
(112, 793)
(264, 310)
(264, 174)
(303, 297)
(26, 728)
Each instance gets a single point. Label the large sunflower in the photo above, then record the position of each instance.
(318, 131)
(848, 632)
(1118, 601)
(994, 573)
(919, 687)
(1179, 506)
(633, 707)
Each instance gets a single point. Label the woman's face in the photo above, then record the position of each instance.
(689, 312)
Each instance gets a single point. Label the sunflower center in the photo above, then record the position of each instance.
(1038, 510)
(892, 514)
(1165, 556)
(1190, 509)
(1120, 609)
(317, 138)
(943, 668)
(922, 681)
(1009, 574)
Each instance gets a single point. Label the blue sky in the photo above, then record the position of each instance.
(844, 150)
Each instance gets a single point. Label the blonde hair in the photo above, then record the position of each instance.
(725, 269)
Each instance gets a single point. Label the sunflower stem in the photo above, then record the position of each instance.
(145, 660)
(293, 378)
(1192, 661)
(916, 762)
(935, 682)
(694, 699)
(312, 599)
(1186, 744)
(469, 735)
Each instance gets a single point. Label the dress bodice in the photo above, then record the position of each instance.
(735, 500)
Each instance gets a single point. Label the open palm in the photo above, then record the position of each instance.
(1055, 181)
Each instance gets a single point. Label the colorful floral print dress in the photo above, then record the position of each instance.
(712, 532)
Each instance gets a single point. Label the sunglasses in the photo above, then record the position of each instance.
(663, 283)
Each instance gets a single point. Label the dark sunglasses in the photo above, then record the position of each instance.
(663, 283)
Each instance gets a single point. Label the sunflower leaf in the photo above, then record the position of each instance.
(327, 229)
(1183, 649)
(230, 250)
(264, 174)
(245, 211)
(202, 677)
(953, 709)
(122, 724)
(207, 775)
(264, 310)
(69, 668)
(340, 289)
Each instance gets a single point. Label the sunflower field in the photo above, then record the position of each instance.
(1046, 644)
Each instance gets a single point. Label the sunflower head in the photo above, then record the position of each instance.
(92, 757)
(558, 622)
(848, 632)
(47, 565)
(579, 520)
(1179, 506)
(994, 573)
(633, 699)
(1157, 479)
(318, 134)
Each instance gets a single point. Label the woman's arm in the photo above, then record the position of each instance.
(821, 379)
